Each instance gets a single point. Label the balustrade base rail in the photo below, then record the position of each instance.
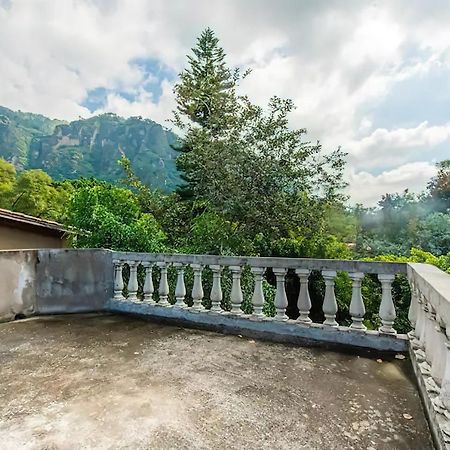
(273, 329)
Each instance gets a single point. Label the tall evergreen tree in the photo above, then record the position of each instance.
(244, 161)
(205, 94)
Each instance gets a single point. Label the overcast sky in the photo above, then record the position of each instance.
(373, 77)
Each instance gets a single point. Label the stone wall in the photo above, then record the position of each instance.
(54, 281)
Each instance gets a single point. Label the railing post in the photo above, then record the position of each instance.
(148, 282)
(304, 301)
(387, 308)
(413, 307)
(415, 315)
(180, 288)
(258, 293)
(330, 306)
(281, 302)
(197, 288)
(133, 282)
(216, 289)
(118, 279)
(236, 291)
(163, 290)
(357, 309)
(423, 329)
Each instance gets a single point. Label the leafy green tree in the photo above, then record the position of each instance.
(36, 194)
(433, 233)
(243, 161)
(7, 181)
(110, 217)
(439, 186)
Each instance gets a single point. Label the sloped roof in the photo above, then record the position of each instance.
(24, 221)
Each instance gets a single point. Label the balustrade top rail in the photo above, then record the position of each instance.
(375, 267)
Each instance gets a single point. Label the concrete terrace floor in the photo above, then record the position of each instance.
(114, 382)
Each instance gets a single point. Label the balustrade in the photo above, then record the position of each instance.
(281, 269)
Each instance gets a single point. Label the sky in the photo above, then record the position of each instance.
(371, 77)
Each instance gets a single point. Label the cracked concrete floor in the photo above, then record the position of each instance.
(115, 382)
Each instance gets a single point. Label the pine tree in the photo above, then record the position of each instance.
(244, 162)
(205, 94)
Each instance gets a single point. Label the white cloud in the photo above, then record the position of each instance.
(367, 188)
(392, 147)
(143, 105)
(337, 60)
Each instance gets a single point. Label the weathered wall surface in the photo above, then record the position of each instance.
(17, 283)
(54, 281)
(73, 280)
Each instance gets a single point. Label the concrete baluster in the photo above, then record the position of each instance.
(180, 288)
(418, 325)
(163, 290)
(330, 306)
(148, 288)
(197, 288)
(118, 279)
(281, 302)
(258, 293)
(387, 308)
(413, 308)
(236, 291)
(133, 282)
(357, 309)
(423, 328)
(304, 301)
(216, 289)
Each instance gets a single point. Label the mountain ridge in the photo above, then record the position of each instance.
(90, 147)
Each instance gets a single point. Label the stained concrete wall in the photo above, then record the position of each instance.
(73, 280)
(54, 281)
(17, 283)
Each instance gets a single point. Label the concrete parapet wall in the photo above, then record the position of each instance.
(73, 281)
(54, 281)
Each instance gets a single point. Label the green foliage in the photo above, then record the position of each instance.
(439, 186)
(111, 217)
(7, 181)
(33, 192)
(403, 221)
(243, 161)
(433, 233)
(213, 234)
(36, 194)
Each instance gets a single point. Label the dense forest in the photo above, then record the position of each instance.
(246, 183)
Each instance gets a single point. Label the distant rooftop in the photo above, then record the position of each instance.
(24, 221)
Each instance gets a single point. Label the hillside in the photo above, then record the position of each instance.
(89, 147)
(17, 129)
